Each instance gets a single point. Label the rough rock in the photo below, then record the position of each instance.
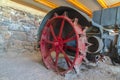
(19, 36)
(18, 29)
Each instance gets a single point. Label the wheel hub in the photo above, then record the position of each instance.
(58, 44)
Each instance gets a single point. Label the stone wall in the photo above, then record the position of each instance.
(18, 30)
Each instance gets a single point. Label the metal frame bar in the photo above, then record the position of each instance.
(115, 5)
(103, 3)
(80, 6)
(47, 3)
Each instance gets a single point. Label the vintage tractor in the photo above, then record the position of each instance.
(67, 38)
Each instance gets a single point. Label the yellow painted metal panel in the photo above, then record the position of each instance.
(116, 4)
(47, 3)
(102, 3)
(80, 6)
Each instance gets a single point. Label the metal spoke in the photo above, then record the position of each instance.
(52, 31)
(69, 39)
(70, 47)
(56, 60)
(61, 28)
(70, 33)
(49, 52)
(48, 41)
(66, 56)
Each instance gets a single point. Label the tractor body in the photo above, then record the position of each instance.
(109, 19)
(67, 37)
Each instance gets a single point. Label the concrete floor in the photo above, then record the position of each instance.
(25, 67)
(14, 66)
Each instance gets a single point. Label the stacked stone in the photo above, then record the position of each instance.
(18, 30)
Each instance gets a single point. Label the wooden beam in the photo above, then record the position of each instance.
(102, 3)
(115, 5)
(29, 5)
(80, 6)
(47, 3)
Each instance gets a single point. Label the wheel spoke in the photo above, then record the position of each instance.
(49, 52)
(56, 60)
(69, 39)
(52, 31)
(66, 56)
(70, 47)
(61, 28)
(67, 62)
(48, 41)
(70, 33)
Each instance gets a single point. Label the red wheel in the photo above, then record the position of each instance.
(61, 44)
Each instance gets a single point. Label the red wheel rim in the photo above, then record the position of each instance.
(54, 44)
